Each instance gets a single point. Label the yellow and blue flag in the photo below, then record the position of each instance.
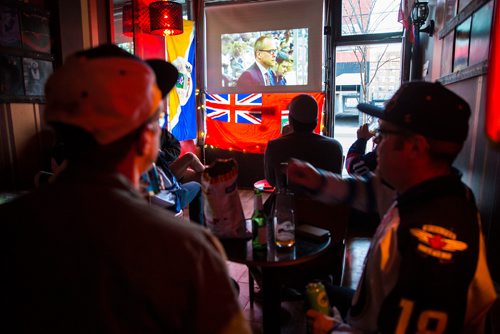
(182, 100)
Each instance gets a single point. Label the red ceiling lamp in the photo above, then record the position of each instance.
(128, 20)
(165, 18)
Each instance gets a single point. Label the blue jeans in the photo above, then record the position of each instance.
(190, 194)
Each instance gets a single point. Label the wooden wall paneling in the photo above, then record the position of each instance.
(26, 144)
(492, 213)
(6, 151)
(480, 163)
(447, 55)
(94, 22)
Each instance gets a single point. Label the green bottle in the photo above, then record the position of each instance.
(259, 223)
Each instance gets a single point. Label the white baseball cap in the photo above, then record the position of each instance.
(107, 91)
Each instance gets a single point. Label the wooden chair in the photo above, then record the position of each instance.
(333, 218)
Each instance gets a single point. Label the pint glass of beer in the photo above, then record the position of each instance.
(284, 220)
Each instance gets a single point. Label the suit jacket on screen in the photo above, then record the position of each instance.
(251, 77)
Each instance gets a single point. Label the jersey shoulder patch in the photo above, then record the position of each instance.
(437, 241)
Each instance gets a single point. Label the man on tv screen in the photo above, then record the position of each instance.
(261, 72)
(284, 64)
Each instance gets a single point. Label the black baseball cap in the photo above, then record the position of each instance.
(426, 108)
(166, 74)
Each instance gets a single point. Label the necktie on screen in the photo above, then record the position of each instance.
(267, 80)
(270, 77)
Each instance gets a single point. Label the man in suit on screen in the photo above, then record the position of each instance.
(260, 73)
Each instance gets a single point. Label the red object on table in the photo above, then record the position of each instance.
(264, 185)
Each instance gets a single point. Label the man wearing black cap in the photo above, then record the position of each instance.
(426, 269)
(87, 253)
(302, 143)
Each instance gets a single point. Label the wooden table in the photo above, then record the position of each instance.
(270, 261)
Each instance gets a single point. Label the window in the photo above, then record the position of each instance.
(369, 16)
(367, 42)
(123, 25)
(368, 73)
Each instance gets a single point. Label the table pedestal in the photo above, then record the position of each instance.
(271, 263)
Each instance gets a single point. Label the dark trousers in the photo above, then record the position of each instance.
(339, 297)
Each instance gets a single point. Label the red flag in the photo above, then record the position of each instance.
(246, 122)
(492, 123)
(404, 18)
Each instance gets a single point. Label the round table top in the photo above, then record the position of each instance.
(304, 250)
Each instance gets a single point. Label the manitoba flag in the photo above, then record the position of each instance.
(246, 122)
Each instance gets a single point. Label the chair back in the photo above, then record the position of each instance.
(331, 217)
(330, 264)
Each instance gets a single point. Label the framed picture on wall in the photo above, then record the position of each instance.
(462, 42)
(467, 39)
(26, 60)
(35, 31)
(11, 76)
(36, 72)
(10, 35)
(480, 34)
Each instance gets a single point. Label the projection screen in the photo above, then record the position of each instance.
(293, 47)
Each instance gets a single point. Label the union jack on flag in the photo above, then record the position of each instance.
(235, 108)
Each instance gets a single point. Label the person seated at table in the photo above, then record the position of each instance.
(187, 167)
(426, 270)
(302, 143)
(163, 189)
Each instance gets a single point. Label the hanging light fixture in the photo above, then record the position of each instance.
(165, 18)
(127, 20)
(419, 13)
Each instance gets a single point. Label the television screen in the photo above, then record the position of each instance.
(285, 53)
(270, 46)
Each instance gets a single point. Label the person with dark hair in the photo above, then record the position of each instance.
(87, 253)
(302, 143)
(284, 64)
(170, 148)
(162, 188)
(187, 167)
(261, 72)
(172, 183)
(426, 270)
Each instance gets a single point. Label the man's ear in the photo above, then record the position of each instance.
(143, 142)
(419, 144)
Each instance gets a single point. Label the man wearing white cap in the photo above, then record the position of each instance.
(302, 143)
(86, 253)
